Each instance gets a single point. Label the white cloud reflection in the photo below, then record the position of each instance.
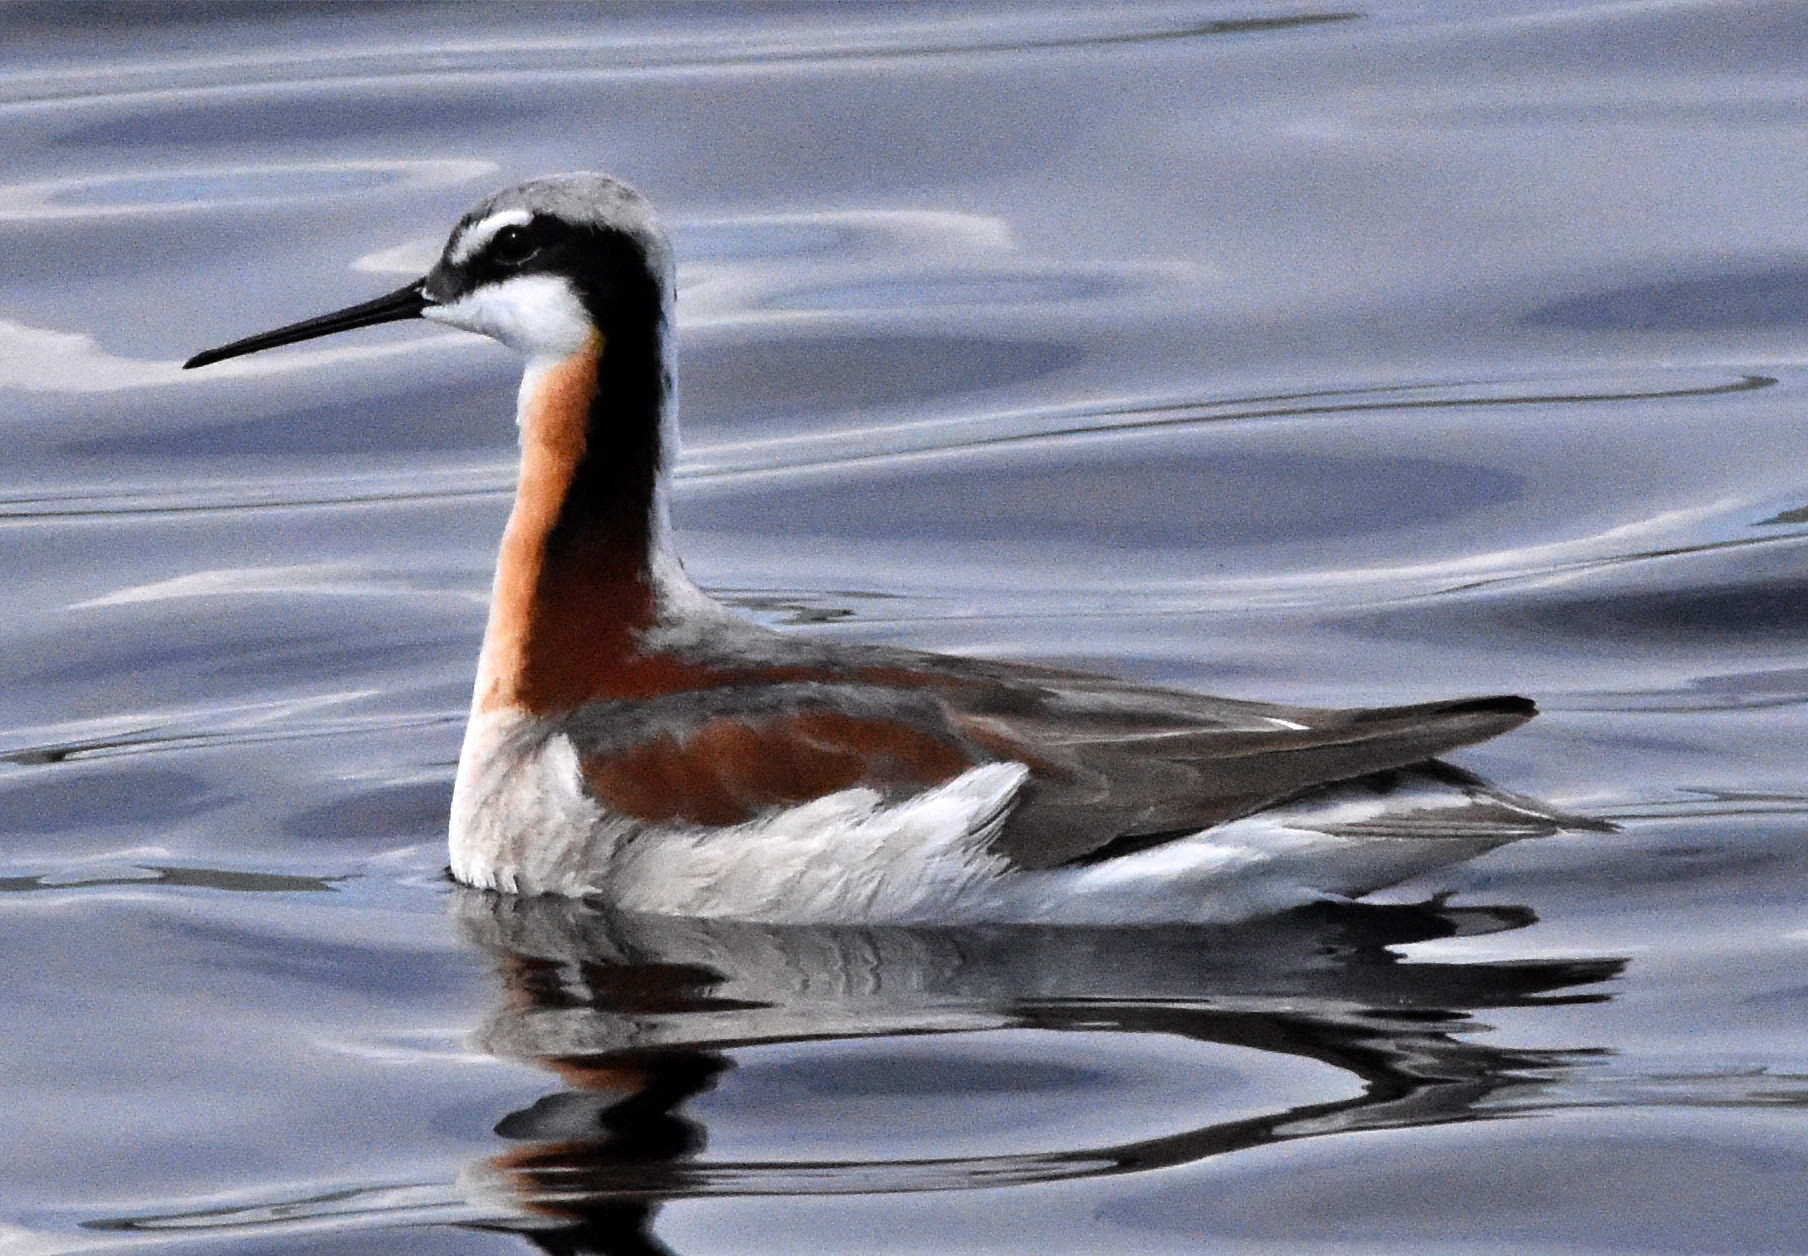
(38, 359)
(320, 579)
(754, 269)
(170, 191)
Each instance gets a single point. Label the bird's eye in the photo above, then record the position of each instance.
(512, 246)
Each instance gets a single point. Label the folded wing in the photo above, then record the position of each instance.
(1115, 767)
(1119, 767)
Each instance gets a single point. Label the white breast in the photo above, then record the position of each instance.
(521, 823)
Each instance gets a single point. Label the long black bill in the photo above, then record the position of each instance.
(402, 303)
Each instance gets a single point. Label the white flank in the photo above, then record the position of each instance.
(1256, 866)
(522, 823)
(846, 857)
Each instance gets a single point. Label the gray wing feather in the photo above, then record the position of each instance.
(1110, 761)
(1117, 763)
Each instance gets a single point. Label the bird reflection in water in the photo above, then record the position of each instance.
(639, 1015)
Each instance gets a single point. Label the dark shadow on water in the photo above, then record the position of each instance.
(98, 799)
(728, 383)
(229, 880)
(1777, 610)
(1765, 298)
(465, 417)
(307, 120)
(1049, 429)
(639, 1016)
(1123, 498)
(1308, 1023)
(1760, 613)
(418, 809)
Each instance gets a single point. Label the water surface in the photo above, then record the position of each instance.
(1319, 354)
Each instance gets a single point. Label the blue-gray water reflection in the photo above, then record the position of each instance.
(703, 1059)
(1326, 356)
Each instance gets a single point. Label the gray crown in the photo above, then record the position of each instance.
(586, 197)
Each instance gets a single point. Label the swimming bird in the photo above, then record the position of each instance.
(631, 738)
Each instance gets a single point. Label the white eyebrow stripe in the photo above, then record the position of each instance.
(472, 239)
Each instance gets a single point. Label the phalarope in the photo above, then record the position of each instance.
(632, 739)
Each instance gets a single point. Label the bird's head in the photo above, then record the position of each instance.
(542, 267)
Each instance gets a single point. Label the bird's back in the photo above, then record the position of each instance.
(1112, 766)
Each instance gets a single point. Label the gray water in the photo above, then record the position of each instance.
(1312, 354)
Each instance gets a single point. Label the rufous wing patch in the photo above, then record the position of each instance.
(731, 770)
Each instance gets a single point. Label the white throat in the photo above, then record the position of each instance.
(539, 315)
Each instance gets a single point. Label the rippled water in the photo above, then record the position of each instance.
(1305, 353)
